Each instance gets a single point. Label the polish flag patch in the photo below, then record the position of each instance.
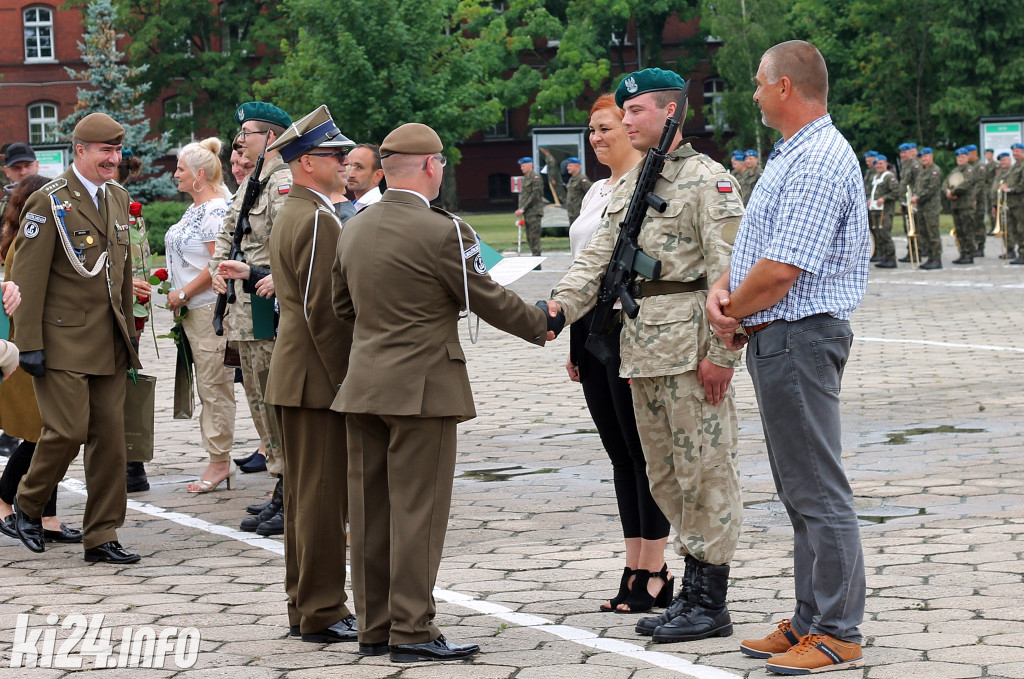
(725, 187)
(281, 190)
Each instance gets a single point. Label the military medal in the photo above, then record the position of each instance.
(88, 239)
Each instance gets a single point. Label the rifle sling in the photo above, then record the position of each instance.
(642, 289)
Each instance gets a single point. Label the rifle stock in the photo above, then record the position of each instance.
(628, 260)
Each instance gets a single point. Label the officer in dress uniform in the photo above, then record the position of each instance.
(309, 362)
(74, 331)
(402, 274)
(576, 188)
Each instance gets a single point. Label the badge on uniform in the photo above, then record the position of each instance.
(478, 264)
(33, 217)
(281, 190)
(725, 187)
(31, 229)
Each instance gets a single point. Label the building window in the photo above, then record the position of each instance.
(714, 111)
(499, 186)
(42, 123)
(177, 109)
(38, 22)
(500, 129)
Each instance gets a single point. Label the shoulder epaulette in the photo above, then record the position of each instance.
(441, 210)
(55, 185)
(113, 183)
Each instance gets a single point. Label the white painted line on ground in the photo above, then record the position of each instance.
(933, 343)
(580, 636)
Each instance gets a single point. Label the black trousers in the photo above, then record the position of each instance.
(611, 405)
(17, 465)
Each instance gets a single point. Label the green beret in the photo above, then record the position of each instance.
(413, 139)
(99, 128)
(647, 80)
(262, 111)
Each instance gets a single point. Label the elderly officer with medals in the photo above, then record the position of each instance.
(75, 339)
(404, 270)
(309, 362)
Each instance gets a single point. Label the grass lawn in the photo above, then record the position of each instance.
(498, 229)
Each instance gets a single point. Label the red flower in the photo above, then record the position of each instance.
(161, 274)
(143, 299)
(140, 323)
(135, 209)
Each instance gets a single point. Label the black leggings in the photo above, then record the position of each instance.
(17, 466)
(611, 405)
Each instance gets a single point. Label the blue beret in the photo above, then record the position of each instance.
(911, 145)
(989, 151)
(1018, 145)
(1002, 155)
(524, 159)
(647, 80)
(871, 154)
(962, 151)
(262, 111)
(971, 147)
(926, 151)
(880, 157)
(738, 154)
(571, 160)
(751, 153)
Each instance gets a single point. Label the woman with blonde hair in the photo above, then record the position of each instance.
(189, 246)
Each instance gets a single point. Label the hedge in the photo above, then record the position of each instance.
(160, 216)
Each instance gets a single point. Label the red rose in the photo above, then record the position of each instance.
(161, 274)
(135, 209)
(140, 323)
(143, 299)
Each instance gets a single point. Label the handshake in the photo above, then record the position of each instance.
(556, 319)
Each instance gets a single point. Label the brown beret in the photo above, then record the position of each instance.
(413, 139)
(99, 128)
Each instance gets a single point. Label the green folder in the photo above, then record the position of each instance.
(5, 324)
(262, 317)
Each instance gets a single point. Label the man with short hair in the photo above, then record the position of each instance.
(799, 269)
(531, 203)
(75, 337)
(959, 188)
(680, 375)
(364, 174)
(261, 124)
(576, 188)
(309, 362)
(927, 201)
(19, 162)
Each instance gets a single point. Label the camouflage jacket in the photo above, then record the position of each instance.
(750, 178)
(1014, 179)
(255, 245)
(574, 192)
(998, 175)
(981, 176)
(963, 192)
(531, 197)
(887, 190)
(908, 175)
(692, 238)
(928, 189)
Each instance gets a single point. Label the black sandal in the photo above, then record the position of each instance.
(623, 594)
(640, 600)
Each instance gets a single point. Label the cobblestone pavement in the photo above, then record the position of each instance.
(932, 409)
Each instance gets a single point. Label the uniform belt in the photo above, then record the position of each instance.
(641, 289)
(751, 329)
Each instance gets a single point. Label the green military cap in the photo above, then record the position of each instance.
(413, 139)
(262, 111)
(647, 80)
(98, 128)
(315, 130)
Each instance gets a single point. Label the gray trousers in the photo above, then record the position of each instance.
(797, 370)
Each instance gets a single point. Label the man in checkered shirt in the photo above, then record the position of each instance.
(799, 268)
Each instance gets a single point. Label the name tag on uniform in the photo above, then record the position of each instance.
(81, 233)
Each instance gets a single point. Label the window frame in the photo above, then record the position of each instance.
(38, 26)
(44, 123)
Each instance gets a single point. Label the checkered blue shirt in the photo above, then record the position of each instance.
(808, 210)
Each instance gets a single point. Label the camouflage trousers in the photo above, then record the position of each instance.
(881, 231)
(963, 222)
(255, 358)
(531, 222)
(690, 446)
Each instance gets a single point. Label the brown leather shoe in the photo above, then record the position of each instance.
(779, 641)
(817, 653)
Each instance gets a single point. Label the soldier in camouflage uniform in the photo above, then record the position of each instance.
(1014, 189)
(991, 165)
(910, 166)
(680, 374)
(999, 176)
(980, 185)
(750, 160)
(260, 123)
(882, 199)
(739, 173)
(531, 203)
(959, 188)
(927, 199)
(577, 187)
(869, 169)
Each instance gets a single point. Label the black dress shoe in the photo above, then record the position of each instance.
(343, 630)
(7, 527)
(257, 464)
(135, 477)
(65, 534)
(272, 526)
(110, 552)
(253, 522)
(8, 444)
(438, 649)
(293, 631)
(247, 459)
(29, 530)
(932, 264)
(373, 649)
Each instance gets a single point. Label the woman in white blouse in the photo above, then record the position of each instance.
(189, 246)
(645, 580)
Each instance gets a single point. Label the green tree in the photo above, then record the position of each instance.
(109, 90)
(449, 63)
(747, 28)
(207, 55)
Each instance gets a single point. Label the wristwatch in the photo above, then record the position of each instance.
(182, 296)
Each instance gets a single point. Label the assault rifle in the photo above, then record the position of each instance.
(242, 228)
(628, 260)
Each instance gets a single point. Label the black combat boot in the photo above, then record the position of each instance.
(683, 602)
(135, 477)
(273, 507)
(260, 506)
(709, 617)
